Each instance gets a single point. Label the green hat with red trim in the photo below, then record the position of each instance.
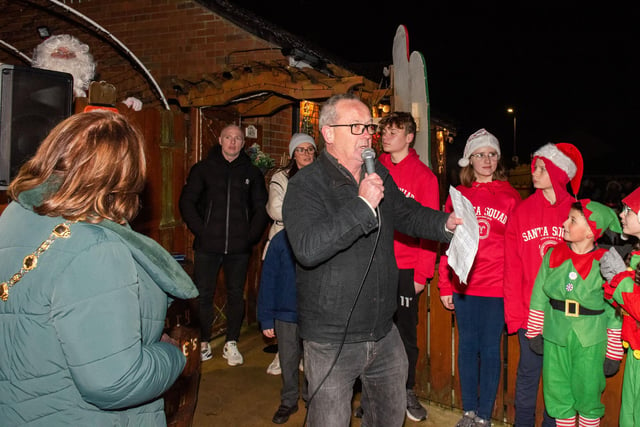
(600, 218)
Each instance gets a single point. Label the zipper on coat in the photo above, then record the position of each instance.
(208, 215)
(226, 234)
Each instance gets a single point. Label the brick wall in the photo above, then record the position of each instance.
(178, 38)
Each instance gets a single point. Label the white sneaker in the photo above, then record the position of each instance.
(301, 365)
(231, 353)
(274, 367)
(205, 351)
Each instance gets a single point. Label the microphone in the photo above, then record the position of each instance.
(369, 156)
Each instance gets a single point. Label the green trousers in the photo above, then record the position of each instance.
(573, 378)
(630, 405)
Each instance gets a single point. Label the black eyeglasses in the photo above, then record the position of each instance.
(309, 150)
(359, 128)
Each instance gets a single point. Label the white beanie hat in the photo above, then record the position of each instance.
(300, 138)
(480, 138)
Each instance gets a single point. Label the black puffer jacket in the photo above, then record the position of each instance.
(223, 204)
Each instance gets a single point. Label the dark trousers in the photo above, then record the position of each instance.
(290, 353)
(206, 268)
(527, 381)
(406, 319)
(480, 325)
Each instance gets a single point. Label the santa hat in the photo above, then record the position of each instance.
(480, 138)
(300, 138)
(600, 217)
(564, 165)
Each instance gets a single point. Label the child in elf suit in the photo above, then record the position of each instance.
(581, 331)
(623, 290)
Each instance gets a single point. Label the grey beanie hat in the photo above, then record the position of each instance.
(300, 138)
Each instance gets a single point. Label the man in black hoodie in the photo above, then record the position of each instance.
(223, 204)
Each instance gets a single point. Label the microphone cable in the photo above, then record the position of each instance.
(346, 326)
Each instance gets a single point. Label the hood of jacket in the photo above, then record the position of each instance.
(154, 259)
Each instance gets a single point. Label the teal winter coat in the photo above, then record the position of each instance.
(80, 333)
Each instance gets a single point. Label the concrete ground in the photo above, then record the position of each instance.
(246, 396)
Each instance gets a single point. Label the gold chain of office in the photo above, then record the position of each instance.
(30, 262)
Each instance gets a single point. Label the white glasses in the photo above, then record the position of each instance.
(493, 156)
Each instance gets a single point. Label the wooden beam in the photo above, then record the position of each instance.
(277, 82)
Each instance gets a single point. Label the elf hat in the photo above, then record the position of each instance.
(564, 164)
(480, 138)
(633, 201)
(600, 217)
(300, 138)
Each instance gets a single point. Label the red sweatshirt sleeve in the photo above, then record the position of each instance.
(516, 306)
(444, 272)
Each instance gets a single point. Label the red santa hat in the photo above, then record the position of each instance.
(600, 217)
(564, 164)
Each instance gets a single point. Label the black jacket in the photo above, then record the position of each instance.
(334, 234)
(223, 204)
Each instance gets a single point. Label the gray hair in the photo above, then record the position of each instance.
(328, 112)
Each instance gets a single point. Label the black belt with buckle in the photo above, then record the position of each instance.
(573, 308)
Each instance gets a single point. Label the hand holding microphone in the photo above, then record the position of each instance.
(371, 187)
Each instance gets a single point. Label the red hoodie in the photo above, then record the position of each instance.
(534, 226)
(493, 202)
(417, 181)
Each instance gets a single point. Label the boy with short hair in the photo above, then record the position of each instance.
(415, 257)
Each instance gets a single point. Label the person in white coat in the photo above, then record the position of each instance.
(302, 152)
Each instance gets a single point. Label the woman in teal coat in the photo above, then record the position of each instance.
(83, 298)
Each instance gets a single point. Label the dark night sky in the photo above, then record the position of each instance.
(569, 70)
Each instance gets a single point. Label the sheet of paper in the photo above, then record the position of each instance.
(464, 245)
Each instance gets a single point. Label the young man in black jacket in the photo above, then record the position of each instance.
(223, 204)
(340, 224)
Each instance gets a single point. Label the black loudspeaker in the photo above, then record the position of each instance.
(32, 102)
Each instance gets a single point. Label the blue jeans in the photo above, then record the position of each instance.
(382, 368)
(206, 268)
(480, 325)
(527, 381)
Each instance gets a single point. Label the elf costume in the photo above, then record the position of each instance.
(580, 329)
(623, 292)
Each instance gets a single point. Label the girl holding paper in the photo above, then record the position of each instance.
(478, 304)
